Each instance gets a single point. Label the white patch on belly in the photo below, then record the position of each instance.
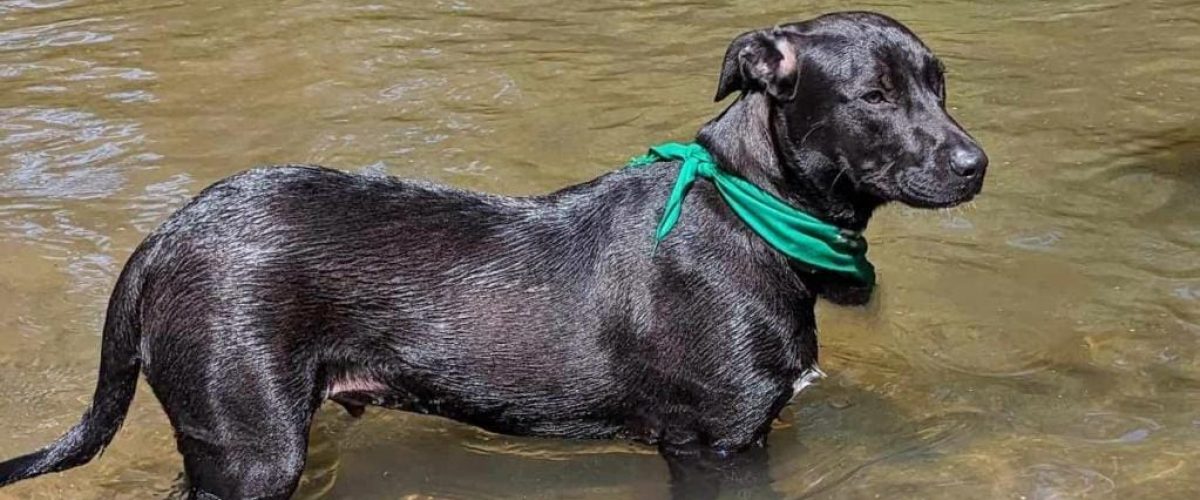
(354, 384)
(807, 377)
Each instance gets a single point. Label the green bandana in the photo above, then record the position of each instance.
(798, 235)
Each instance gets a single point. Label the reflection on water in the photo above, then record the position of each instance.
(1040, 343)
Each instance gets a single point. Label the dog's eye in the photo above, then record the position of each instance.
(874, 97)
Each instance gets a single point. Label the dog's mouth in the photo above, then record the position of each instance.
(915, 186)
(919, 192)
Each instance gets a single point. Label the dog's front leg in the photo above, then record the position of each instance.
(702, 472)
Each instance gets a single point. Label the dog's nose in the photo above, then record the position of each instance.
(968, 160)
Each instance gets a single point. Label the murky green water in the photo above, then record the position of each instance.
(1043, 343)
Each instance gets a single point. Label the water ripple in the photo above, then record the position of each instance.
(62, 152)
(60, 34)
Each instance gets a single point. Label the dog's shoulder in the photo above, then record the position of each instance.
(644, 183)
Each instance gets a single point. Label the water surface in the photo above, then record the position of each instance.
(1041, 343)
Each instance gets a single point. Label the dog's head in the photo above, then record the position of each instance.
(870, 96)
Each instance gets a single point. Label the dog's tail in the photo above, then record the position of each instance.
(119, 366)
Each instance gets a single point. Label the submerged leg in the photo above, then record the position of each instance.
(703, 473)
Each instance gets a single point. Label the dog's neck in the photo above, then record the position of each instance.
(747, 139)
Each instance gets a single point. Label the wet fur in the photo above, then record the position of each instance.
(279, 288)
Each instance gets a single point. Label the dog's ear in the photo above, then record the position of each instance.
(765, 60)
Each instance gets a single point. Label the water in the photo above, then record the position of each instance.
(1041, 343)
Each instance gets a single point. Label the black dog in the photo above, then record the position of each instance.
(276, 289)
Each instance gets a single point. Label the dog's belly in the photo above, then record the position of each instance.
(577, 418)
(533, 413)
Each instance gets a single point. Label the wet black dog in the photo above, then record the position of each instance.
(279, 288)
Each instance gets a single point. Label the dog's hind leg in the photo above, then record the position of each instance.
(256, 450)
(266, 466)
(261, 457)
(242, 426)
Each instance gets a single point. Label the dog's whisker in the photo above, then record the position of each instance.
(842, 169)
(812, 129)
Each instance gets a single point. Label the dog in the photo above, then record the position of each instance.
(558, 315)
